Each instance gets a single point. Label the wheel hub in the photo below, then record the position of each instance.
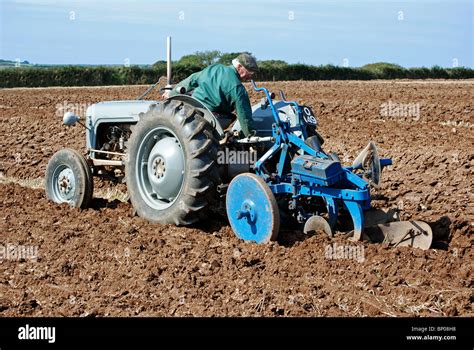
(159, 167)
(165, 169)
(66, 182)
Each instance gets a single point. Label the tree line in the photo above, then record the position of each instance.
(270, 70)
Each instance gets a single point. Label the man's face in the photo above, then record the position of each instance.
(244, 74)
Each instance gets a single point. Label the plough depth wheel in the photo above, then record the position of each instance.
(252, 209)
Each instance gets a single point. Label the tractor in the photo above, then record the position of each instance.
(167, 152)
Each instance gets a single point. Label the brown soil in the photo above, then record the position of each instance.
(105, 261)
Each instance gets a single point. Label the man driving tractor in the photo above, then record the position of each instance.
(220, 89)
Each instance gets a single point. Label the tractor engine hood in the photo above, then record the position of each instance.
(114, 112)
(117, 111)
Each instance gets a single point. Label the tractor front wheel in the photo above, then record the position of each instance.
(69, 179)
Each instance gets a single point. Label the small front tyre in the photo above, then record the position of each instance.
(69, 179)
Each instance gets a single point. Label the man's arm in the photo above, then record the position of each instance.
(243, 109)
(190, 83)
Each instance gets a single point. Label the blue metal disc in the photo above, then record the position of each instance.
(252, 209)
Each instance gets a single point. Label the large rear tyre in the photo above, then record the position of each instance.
(170, 168)
(69, 179)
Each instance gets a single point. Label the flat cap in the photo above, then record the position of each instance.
(248, 61)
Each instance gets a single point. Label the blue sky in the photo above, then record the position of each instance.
(410, 33)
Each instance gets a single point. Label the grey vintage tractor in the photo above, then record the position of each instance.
(181, 163)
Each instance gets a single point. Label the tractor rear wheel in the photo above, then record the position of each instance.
(170, 168)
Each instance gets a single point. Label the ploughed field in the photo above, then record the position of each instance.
(55, 260)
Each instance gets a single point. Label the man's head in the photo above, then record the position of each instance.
(246, 66)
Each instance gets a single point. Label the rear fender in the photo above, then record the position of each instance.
(207, 114)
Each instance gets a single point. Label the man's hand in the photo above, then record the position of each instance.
(166, 95)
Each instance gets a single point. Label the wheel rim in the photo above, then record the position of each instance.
(160, 167)
(63, 184)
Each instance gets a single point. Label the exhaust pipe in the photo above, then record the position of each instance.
(168, 86)
(168, 63)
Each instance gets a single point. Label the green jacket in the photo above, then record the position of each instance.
(219, 88)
